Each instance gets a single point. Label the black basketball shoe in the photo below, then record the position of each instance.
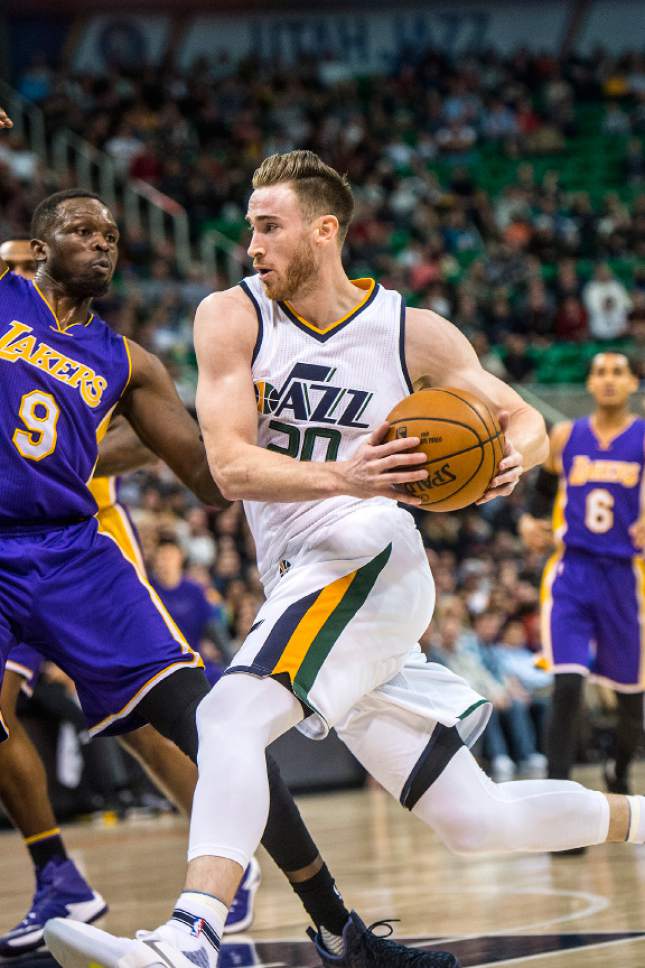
(364, 949)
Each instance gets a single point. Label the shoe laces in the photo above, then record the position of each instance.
(397, 954)
(386, 923)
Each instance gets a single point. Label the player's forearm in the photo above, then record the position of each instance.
(203, 486)
(252, 473)
(527, 431)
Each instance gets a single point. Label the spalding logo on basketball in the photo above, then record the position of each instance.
(461, 438)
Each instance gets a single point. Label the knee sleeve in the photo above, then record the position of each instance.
(236, 722)
(473, 815)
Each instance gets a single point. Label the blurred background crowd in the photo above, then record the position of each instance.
(504, 192)
(507, 193)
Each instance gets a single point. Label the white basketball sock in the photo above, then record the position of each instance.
(198, 922)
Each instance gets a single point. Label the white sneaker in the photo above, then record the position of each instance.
(502, 769)
(77, 945)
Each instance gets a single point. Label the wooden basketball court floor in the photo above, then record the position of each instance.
(583, 912)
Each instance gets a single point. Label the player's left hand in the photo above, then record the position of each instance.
(5, 120)
(509, 470)
(637, 533)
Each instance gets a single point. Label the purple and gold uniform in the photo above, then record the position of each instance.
(593, 587)
(114, 520)
(67, 586)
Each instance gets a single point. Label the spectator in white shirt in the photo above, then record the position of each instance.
(607, 303)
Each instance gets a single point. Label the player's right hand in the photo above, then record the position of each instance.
(5, 120)
(378, 469)
(637, 533)
(536, 533)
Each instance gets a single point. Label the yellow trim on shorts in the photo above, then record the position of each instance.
(545, 660)
(36, 838)
(5, 272)
(638, 566)
(195, 663)
(114, 521)
(156, 601)
(310, 625)
(103, 490)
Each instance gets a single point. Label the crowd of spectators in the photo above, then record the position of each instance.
(507, 193)
(468, 200)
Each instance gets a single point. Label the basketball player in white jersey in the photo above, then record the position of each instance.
(299, 367)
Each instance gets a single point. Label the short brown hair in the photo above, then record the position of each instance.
(320, 188)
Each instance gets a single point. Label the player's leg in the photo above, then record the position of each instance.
(23, 781)
(432, 773)
(124, 680)
(620, 658)
(171, 707)
(302, 625)
(165, 765)
(61, 890)
(629, 733)
(563, 723)
(567, 631)
(286, 838)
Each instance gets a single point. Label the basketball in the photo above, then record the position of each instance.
(461, 438)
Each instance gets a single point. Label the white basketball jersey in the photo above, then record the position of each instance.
(319, 394)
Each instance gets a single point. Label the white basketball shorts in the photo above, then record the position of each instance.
(340, 627)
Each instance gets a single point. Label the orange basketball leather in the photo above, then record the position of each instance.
(461, 438)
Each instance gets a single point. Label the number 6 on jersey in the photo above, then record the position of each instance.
(39, 413)
(599, 510)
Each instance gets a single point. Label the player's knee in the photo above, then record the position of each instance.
(467, 828)
(471, 814)
(254, 710)
(212, 715)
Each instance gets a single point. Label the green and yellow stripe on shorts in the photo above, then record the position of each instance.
(308, 629)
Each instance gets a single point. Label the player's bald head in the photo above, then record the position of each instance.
(18, 255)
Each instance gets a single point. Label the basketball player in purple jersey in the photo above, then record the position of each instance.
(63, 373)
(593, 587)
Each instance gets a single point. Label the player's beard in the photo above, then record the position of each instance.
(82, 283)
(298, 276)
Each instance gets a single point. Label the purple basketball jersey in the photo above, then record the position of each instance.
(57, 391)
(600, 490)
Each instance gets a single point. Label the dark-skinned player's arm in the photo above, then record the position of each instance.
(534, 525)
(152, 406)
(438, 354)
(226, 330)
(121, 450)
(5, 122)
